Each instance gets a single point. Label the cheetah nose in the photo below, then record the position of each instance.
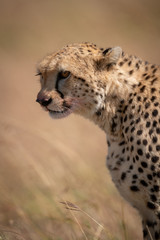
(43, 100)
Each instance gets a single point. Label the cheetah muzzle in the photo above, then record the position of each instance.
(121, 94)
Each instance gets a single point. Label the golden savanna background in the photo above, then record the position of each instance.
(43, 161)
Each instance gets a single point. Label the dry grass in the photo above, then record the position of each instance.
(43, 161)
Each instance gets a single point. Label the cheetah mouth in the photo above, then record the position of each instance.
(60, 114)
(66, 108)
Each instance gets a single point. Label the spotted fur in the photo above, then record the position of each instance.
(121, 94)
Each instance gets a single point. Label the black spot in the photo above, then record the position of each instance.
(142, 89)
(140, 170)
(134, 188)
(137, 157)
(123, 150)
(126, 130)
(122, 101)
(144, 74)
(150, 148)
(151, 205)
(121, 64)
(130, 116)
(131, 72)
(154, 139)
(154, 70)
(140, 152)
(147, 155)
(132, 129)
(125, 119)
(154, 123)
(132, 122)
(147, 77)
(139, 108)
(129, 63)
(131, 167)
(155, 159)
(156, 188)
(138, 120)
(156, 104)
(148, 124)
(153, 197)
(138, 98)
(137, 65)
(147, 105)
(139, 132)
(138, 142)
(131, 139)
(125, 108)
(146, 115)
(155, 113)
(153, 98)
(125, 59)
(150, 131)
(144, 183)
(121, 143)
(132, 148)
(145, 142)
(123, 176)
(153, 90)
(135, 176)
(158, 130)
(154, 174)
(152, 167)
(154, 80)
(158, 147)
(149, 176)
(146, 68)
(144, 164)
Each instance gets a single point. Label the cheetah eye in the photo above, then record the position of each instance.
(64, 74)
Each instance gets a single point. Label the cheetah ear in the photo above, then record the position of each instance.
(109, 57)
(112, 55)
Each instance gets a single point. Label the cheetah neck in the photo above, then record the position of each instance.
(121, 83)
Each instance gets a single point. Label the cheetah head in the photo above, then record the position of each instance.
(73, 80)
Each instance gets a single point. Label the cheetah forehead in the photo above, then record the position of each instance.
(69, 56)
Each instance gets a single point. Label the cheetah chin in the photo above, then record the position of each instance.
(60, 114)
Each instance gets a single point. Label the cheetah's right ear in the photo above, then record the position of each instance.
(109, 57)
(112, 55)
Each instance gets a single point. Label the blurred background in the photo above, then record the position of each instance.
(42, 161)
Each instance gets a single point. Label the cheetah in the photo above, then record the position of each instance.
(121, 94)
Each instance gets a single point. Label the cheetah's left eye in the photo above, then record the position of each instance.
(64, 74)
